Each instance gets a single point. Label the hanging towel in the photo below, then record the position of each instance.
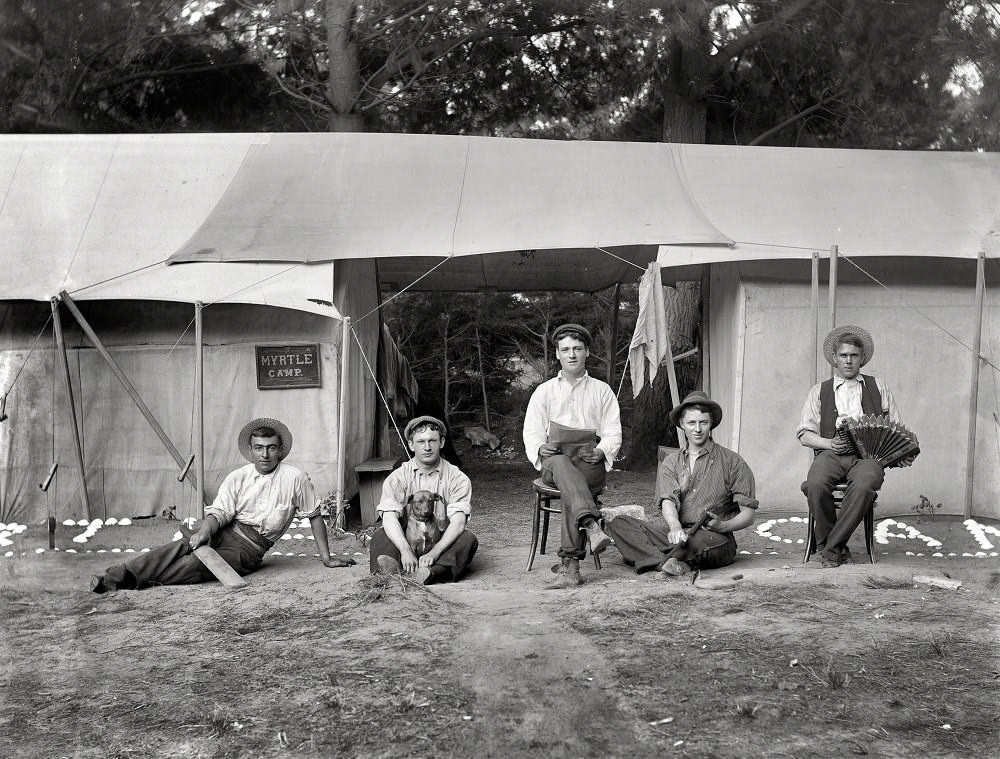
(650, 341)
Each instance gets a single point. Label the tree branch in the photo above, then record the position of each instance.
(755, 33)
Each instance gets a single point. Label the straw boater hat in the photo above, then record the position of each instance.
(696, 397)
(564, 328)
(243, 441)
(835, 337)
(414, 423)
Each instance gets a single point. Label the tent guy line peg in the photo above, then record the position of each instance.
(48, 479)
(3, 407)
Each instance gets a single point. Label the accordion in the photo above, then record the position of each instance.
(875, 437)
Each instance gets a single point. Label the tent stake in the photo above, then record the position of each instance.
(977, 344)
(199, 407)
(129, 387)
(345, 344)
(61, 346)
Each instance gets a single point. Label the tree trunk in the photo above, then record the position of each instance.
(482, 381)
(343, 88)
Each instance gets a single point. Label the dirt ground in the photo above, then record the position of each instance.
(795, 662)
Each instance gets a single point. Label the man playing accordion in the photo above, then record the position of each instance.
(847, 395)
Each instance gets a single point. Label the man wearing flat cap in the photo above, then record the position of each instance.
(848, 394)
(572, 433)
(705, 493)
(255, 505)
(428, 475)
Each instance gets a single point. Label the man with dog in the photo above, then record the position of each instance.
(705, 493)
(255, 505)
(573, 406)
(848, 394)
(425, 505)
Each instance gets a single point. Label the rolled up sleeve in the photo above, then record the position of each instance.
(809, 419)
(460, 497)
(305, 501)
(744, 488)
(667, 482)
(393, 494)
(223, 508)
(610, 430)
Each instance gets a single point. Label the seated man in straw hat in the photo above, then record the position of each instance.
(848, 394)
(254, 507)
(705, 493)
(433, 478)
(572, 433)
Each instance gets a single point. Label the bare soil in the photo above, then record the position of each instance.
(796, 661)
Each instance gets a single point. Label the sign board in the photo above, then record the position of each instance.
(285, 366)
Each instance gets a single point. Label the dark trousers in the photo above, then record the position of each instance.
(647, 545)
(176, 564)
(579, 483)
(450, 565)
(864, 478)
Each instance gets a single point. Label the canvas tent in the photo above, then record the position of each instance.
(262, 216)
(909, 229)
(97, 217)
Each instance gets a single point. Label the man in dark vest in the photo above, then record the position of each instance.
(848, 394)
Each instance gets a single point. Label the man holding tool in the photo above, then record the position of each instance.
(255, 505)
(705, 493)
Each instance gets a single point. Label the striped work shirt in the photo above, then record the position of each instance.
(720, 476)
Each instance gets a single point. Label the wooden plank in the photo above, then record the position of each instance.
(216, 564)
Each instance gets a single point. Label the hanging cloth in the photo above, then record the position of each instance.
(651, 339)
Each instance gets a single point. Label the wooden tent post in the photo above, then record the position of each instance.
(74, 422)
(616, 296)
(977, 344)
(706, 331)
(129, 387)
(345, 345)
(199, 404)
(834, 252)
(814, 321)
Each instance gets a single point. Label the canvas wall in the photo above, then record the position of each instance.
(129, 472)
(762, 369)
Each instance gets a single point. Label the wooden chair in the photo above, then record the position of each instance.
(838, 497)
(544, 495)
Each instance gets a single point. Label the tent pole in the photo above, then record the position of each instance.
(616, 296)
(61, 346)
(129, 387)
(834, 252)
(815, 316)
(199, 405)
(977, 344)
(706, 332)
(345, 344)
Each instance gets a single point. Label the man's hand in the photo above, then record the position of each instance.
(408, 560)
(595, 456)
(198, 539)
(427, 559)
(547, 449)
(840, 446)
(333, 563)
(677, 537)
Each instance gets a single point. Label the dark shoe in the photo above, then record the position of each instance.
(97, 584)
(846, 558)
(389, 566)
(829, 563)
(674, 568)
(569, 576)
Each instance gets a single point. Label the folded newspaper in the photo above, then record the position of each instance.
(572, 441)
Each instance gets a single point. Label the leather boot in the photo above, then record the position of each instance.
(569, 575)
(598, 538)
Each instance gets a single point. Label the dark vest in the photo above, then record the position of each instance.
(871, 403)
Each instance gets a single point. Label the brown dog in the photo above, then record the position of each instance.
(426, 521)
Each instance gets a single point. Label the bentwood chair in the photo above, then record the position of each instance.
(838, 497)
(544, 496)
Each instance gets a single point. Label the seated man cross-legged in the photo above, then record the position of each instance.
(575, 404)
(702, 479)
(426, 478)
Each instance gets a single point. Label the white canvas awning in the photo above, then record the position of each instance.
(542, 210)
(99, 215)
(788, 202)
